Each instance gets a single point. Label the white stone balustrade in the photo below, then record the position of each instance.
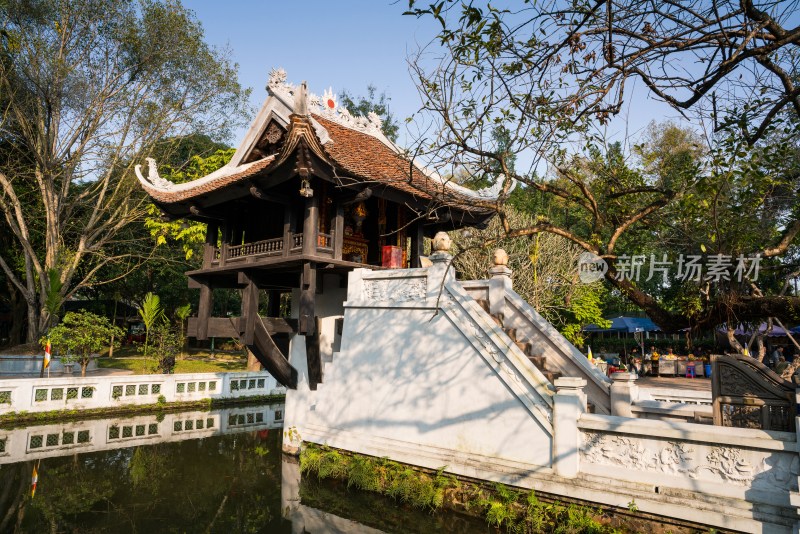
(46, 394)
(45, 441)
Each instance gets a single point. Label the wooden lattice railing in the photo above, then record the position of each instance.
(268, 247)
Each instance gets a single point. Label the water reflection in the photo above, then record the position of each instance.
(215, 471)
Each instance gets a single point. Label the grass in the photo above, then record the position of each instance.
(500, 506)
(136, 365)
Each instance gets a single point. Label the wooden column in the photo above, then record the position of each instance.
(288, 228)
(249, 308)
(212, 230)
(307, 325)
(204, 307)
(313, 359)
(338, 232)
(310, 226)
(308, 288)
(226, 241)
(417, 244)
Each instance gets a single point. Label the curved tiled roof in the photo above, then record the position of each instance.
(368, 158)
(218, 179)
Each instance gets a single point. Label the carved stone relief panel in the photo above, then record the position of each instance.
(395, 289)
(712, 462)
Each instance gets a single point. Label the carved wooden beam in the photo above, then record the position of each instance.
(260, 194)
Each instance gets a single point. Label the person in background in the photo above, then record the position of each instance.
(782, 364)
(775, 357)
(635, 361)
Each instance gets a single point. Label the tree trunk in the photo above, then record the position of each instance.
(84, 365)
(735, 345)
(762, 349)
(33, 323)
(18, 311)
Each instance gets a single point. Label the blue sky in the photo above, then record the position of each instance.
(345, 44)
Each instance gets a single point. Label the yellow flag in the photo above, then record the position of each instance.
(34, 480)
(47, 355)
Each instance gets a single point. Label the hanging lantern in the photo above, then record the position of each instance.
(305, 189)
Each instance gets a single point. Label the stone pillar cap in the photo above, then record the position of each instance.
(569, 382)
(623, 377)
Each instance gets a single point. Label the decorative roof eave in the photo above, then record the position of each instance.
(305, 117)
(165, 192)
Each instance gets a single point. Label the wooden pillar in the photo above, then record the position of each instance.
(205, 305)
(212, 230)
(288, 228)
(308, 287)
(249, 308)
(417, 244)
(338, 232)
(310, 226)
(226, 241)
(313, 359)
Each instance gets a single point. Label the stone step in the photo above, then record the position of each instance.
(524, 346)
(539, 361)
(552, 376)
(498, 319)
(483, 304)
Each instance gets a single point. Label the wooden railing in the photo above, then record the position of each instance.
(297, 241)
(325, 241)
(269, 247)
(290, 244)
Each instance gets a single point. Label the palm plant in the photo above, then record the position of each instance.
(182, 313)
(151, 313)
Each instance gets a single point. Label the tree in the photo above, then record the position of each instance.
(549, 74)
(80, 335)
(571, 61)
(545, 273)
(151, 313)
(89, 88)
(372, 102)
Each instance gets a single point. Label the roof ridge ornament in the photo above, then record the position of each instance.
(153, 177)
(301, 100)
(327, 106)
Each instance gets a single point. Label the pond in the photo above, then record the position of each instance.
(198, 471)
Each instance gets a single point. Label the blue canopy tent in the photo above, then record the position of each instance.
(625, 325)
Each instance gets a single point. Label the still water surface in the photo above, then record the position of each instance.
(217, 471)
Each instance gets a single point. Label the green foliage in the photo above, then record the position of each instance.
(53, 299)
(585, 308)
(81, 334)
(503, 507)
(190, 235)
(167, 342)
(106, 82)
(372, 103)
(151, 313)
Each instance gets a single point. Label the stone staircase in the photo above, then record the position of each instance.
(538, 360)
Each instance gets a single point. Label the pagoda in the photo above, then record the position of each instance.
(311, 193)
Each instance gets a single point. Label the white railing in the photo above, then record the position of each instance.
(45, 441)
(45, 394)
(683, 396)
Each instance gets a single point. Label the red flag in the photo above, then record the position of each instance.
(47, 355)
